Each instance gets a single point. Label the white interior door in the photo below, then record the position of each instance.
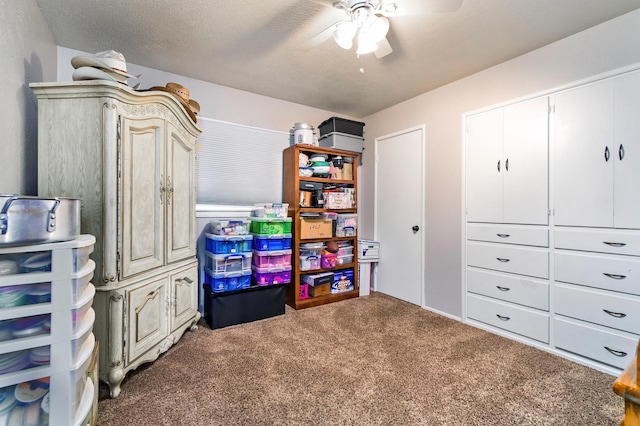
(399, 218)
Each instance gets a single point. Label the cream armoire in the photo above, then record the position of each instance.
(130, 157)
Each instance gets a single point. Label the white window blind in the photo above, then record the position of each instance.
(239, 164)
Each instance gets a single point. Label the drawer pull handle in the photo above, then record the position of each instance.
(614, 276)
(612, 244)
(503, 288)
(503, 235)
(621, 354)
(500, 259)
(501, 318)
(615, 314)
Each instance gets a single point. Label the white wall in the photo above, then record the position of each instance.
(28, 55)
(597, 50)
(217, 102)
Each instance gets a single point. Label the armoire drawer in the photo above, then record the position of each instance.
(510, 288)
(508, 234)
(598, 307)
(614, 241)
(530, 261)
(519, 320)
(615, 273)
(594, 343)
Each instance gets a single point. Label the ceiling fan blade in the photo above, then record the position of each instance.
(323, 2)
(319, 38)
(384, 48)
(422, 7)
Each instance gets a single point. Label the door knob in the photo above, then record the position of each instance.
(415, 228)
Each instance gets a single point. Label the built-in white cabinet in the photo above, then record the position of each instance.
(130, 157)
(571, 284)
(597, 154)
(507, 164)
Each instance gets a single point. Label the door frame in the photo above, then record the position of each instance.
(423, 197)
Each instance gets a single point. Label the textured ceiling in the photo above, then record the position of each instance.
(263, 46)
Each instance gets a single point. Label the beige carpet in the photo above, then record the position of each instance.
(374, 360)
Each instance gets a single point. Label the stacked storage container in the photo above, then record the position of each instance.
(46, 333)
(271, 250)
(228, 255)
(340, 133)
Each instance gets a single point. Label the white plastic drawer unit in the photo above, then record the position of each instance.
(510, 288)
(593, 342)
(609, 272)
(598, 307)
(508, 234)
(519, 320)
(530, 261)
(614, 241)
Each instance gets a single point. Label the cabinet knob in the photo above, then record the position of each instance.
(415, 228)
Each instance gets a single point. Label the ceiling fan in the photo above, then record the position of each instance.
(367, 22)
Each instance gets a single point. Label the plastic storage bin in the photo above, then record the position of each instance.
(344, 259)
(271, 226)
(79, 284)
(221, 282)
(79, 375)
(342, 141)
(81, 257)
(226, 244)
(230, 226)
(80, 309)
(272, 242)
(342, 125)
(344, 250)
(346, 225)
(270, 276)
(272, 259)
(271, 210)
(238, 262)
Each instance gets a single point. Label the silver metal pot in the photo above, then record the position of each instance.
(26, 220)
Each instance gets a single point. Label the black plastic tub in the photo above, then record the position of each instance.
(341, 125)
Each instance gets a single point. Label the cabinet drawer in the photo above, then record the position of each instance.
(598, 307)
(508, 234)
(525, 322)
(616, 273)
(594, 343)
(511, 288)
(615, 241)
(518, 260)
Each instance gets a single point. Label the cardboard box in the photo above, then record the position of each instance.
(312, 227)
(319, 290)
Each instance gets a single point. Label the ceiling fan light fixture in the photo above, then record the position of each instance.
(365, 44)
(377, 28)
(344, 33)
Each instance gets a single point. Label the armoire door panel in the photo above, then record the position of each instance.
(147, 309)
(526, 164)
(181, 163)
(484, 166)
(584, 156)
(143, 195)
(184, 296)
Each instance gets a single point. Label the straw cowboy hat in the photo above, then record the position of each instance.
(181, 93)
(109, 61)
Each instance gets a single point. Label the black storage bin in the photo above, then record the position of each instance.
(341, 125)
(240, 306)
